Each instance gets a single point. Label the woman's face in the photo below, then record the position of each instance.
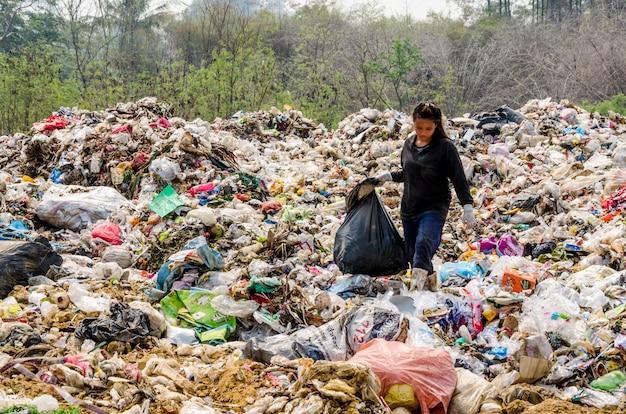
(424, 128)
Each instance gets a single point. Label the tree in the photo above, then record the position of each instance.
(21, 24)
(85, 36)
(396, 65)
(313, 75)
(136, 24)
(31, 88)
(369, 35)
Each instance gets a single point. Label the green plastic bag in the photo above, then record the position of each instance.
(166, 202)
(609, 381)
(192, 309)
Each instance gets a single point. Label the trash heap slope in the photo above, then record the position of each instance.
(156, 264)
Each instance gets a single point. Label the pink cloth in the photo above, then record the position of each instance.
(429, 371)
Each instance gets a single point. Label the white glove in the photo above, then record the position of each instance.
(468, 216)
(384, 177)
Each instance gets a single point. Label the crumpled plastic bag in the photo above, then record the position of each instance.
(340, 338)
(429, 371)
(335, 340)
(195, 254)
(469, 393)
(125, 324)
(74, 207)
(367, 242)
(109, 232)
(264, 349)
(19, 260)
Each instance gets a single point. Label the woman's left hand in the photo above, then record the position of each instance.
(468, 216)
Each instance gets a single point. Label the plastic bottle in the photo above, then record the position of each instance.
(609, 381)
(474, 297)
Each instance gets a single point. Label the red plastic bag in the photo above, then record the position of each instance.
(51, 123)
(109, 232)
(429, 371)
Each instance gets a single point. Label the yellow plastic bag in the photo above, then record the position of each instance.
(402, 395)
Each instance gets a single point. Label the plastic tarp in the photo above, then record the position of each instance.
(429, 371)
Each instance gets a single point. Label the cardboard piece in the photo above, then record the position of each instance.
(518, 282)
(532, 369)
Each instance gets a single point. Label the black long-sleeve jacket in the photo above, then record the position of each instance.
(426, 173)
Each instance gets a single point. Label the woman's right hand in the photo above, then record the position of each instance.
(383, 178)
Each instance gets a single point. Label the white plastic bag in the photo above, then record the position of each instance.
(74, 207)
(84, 301)
(597, 162)
(226, 305)
(164, 168)
(469, 393)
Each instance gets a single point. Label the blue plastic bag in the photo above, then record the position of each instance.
(469, 270)
(198, 246)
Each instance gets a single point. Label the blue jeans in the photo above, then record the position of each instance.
(422, 237)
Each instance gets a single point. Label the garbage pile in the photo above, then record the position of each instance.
(154, 264)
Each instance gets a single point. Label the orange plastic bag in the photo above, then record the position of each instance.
(429, 371)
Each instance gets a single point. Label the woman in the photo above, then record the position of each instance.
(429, 161)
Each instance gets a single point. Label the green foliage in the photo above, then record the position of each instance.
(617, 104)
(396, 65)
(173, 85)
(102, 87)
(137, 23)
(216, 59)
(323, 98)
(480, 32)
(312, 75)
(27, 29)
(443, 88)
(245, 81)
(21, 408)
(31, 89)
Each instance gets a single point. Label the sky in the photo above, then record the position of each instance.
(419, 9)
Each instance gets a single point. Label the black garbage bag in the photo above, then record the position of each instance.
(367, 242)
(510, 114)
(500, 116)
(19, 260)
(125, 324)
(19, 334)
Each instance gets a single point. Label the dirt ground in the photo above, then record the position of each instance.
(556, 406)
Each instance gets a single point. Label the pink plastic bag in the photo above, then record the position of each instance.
(429, 371)
(201, 188)
(109, 232)
(487, 245)
(508, 246)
